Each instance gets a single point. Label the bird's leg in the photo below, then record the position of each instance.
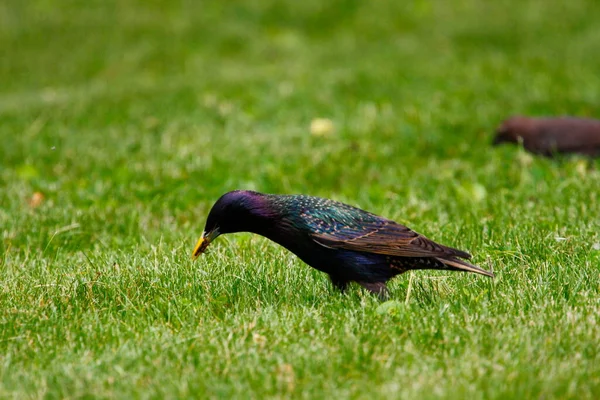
(339, 283)
(377, 288)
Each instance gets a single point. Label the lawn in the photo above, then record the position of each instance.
(123, 121)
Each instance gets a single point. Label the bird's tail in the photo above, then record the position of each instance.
(461, 265)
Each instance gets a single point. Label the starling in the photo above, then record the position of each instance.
(550, 136)
(349, 244)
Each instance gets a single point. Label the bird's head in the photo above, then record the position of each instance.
(234, 212)
(513, 130)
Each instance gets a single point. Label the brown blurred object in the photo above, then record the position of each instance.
(550, 136)
(36, 200)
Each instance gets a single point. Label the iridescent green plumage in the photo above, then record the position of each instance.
(323, 216)
(340, 225)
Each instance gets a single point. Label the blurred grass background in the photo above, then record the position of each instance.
(122, 122)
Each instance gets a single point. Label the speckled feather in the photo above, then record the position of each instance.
(338, 225)
(346, 242)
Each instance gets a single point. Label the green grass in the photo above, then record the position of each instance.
(132, 117)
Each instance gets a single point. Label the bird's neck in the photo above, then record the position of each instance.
(267, 218)
(279, 230)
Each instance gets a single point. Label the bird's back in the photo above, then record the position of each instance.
(338, 225)
(321, 215)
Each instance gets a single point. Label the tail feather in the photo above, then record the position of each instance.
(462, 265)
(452, 252)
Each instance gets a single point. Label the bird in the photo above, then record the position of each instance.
(347, 243)
(549, 136)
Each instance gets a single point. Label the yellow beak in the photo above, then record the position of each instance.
(200, 247)
(203, 243)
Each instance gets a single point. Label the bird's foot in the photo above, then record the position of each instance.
(377, 288)
(340, 284)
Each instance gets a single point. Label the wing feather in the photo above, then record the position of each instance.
(383, 237)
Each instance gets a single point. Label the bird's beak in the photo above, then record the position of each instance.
(203, 242)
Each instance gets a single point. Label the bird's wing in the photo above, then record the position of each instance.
(372, 234)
